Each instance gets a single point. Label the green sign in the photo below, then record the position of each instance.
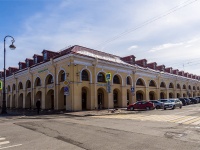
(42, 70)
(1, 85)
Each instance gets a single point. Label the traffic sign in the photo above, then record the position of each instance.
(132, 89)
(66, 90)
(66, 82)
(108, 76)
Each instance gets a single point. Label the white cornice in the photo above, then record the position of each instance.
(82, 63)
(40, 66)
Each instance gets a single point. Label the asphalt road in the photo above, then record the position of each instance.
(145, 130)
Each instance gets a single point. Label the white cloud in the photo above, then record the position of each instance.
(93, 24)
(132, 47)
(165, 46)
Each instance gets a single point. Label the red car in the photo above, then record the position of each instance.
(141, 105)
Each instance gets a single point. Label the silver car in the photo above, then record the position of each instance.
(167, 104)
(157, 104)
(177, 103)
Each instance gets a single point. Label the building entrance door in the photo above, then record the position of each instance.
(84, 100)
(100, 100)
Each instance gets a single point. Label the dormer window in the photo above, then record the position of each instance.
(45, 56)
(27, 63)
(35, 60)
(20, 66)
(144, 64)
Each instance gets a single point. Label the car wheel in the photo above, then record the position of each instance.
(157, 107)
(174, 107)
(132, 108)
(180, 107)
(164, 108)
(147, 108)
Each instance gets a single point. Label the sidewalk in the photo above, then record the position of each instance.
(33, 112)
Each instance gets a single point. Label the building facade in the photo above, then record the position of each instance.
(75, 79)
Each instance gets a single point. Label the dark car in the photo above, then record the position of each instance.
(157, 104)
(184, 102)
(146, 105)
(188, 101)
(193, 100)
(198, 98)
(167, 104)
(177, 103)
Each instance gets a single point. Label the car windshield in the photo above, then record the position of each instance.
(164, 100)
(172, 100)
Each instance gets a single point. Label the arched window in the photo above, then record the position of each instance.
(8, 89)
(197, 88)
(152, 83)
(85, 76)
(189, 87)
(162, 85)
(194, 88)
(38, 82)
(13, 87)
(101, 77)
(128, 81)
(140, 82)
(184, 87)
(116, 80)
(20, 86)
(178, 86)
(62, 76)
(50, 80)
(171, 85)
(28, 84)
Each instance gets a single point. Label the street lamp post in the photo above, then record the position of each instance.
(4, 111)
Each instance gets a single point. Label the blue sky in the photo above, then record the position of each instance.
(173, 39)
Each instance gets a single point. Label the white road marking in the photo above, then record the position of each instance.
(2, 139)
(10, 146)
(193, 120)
(5, 142)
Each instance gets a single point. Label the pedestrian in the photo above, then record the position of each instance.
(38, 104)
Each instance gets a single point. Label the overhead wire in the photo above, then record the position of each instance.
(184, 4)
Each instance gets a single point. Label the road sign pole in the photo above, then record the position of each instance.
(108, 84)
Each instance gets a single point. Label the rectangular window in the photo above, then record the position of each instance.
(27, 64)
(45, 56)
(20, 66)
(35, 60)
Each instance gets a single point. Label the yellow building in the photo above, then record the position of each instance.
(75, 79)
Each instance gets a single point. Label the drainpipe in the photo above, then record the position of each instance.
(32, 89)
(55, 88)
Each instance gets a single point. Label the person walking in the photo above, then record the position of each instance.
(38, 104)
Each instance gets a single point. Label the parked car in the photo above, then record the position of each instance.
(193, 100)
(183, 101)
(157, 104)
(177, 103)
(146, 105)
(188, 101)
(197, 98)
(167, 104)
